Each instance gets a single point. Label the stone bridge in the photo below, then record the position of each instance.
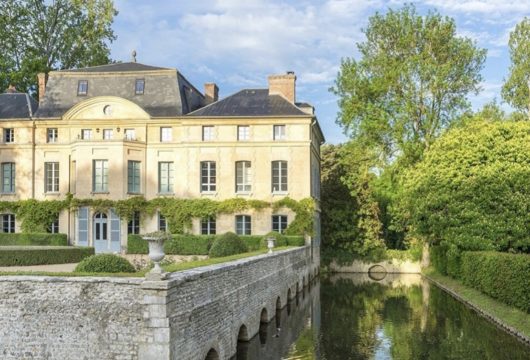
(195, 314)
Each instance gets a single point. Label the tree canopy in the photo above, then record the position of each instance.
(411, 81)
(515, 90)
(40, 36)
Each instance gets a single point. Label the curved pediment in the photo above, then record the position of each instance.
(106, 107)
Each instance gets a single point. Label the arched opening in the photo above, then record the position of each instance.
(264, 318)
(278, 303)
(243, 333)
(101, 233)
(212, 355)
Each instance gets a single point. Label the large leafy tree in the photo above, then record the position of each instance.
(411, 80)
(40, 36)
(515, 90)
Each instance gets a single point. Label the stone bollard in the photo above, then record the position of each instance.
(270, 244)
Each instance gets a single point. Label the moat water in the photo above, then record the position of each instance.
(400, 317)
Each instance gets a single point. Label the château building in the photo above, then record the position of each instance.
(128, 129)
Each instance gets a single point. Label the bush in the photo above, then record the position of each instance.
(253, 241)
(471, 188)
(505, 277)
(280, 240)
(178, 245)
(228, 244)
(295, 240)
(136, 245)
(42, 255)
(438, 256)
(105, 263)
(32, 239)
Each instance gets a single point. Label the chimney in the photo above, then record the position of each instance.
(283, 85)
(42, 78)
(211, 93)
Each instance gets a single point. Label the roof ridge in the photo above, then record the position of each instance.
(215, 102)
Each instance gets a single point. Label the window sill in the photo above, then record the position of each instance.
(209, 193)
(99, 192)
(134, 193)
(165, 194)
(280, 193)
(8, 194)
(244, 193)
(52, 193)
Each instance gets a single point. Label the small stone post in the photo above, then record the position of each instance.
(270, 244)
(156, 254)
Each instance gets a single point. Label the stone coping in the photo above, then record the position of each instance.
(498, 322)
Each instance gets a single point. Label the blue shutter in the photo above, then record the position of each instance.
(82, 226)
(115, 224)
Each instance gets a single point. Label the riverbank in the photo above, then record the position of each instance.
(513, 320)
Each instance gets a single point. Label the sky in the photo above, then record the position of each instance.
(238, 43)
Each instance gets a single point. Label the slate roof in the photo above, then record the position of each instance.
(17, 106)
(167, 93)
(117, 67)
(250, 102)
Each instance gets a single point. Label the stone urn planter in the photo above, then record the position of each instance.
(156, 253)
(270, 244)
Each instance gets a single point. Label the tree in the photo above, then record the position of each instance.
(40, 36)
(411, 81)
(515, 90)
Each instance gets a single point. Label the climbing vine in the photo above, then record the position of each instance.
(37, 215)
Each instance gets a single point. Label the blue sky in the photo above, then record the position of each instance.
(238, 43)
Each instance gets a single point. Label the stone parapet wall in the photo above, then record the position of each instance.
(391, 266)
(182, 317)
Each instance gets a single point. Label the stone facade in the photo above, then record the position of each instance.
(184, 317)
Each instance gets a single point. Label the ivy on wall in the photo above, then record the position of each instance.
(36, 215)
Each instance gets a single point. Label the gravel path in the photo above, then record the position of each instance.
(47, 268)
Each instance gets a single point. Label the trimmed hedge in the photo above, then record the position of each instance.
(42, 255)
(228, 244)
(201, 244)
(33, 239)
(105, 263)
(505, 277)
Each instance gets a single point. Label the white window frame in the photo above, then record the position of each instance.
(208, 132)
(108, 134)
(129, 134)
(243, 177)
(165, 171)
(100, 176)
(279, 223)
(243, 225)
(208, 226)
(166, 134)
(243, 132)
(51, 177)
(8, 223)
(133, 225)
(8, 177)
(9, 135)
(208, 174)
(134, 175)
(280, 180)
(139, 90)
(86, 134)
(278, 132)
(51, 135)
(82, 90)
(162, 222)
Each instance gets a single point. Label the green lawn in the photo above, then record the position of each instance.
(169, 268)
(511, 316)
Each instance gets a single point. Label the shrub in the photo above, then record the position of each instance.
(136, 245)
(31, 239)
(438, 256)
(505, 277)
(295, 240)
(280, 240)
(228, 244)
(42, 255)
(471, 188)
(189, 244)
(253, 241)
(105, 263)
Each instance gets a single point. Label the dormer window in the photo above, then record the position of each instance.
(82, 88)
(139, 87)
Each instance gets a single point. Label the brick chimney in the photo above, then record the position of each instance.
(284, 85)
(211, 93)
(42, 79)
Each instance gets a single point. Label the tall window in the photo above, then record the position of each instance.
(243, 225)
(165, 177)
(139, 87)
(207, 133)
(133, 177)
(208, 226)
(279, 223)
(133, 226)
(243, 133)
(279, 176)
(208, 176)
(166, 134)
(8, 177)
(107, 134)
(100, 226)
(51, 135)
(100, 176)
(243, 176)
(86, 134)
(51, 178)
(53, 228)
(130, 134)
(279, 132)
(82, 88)
(8, 223)
(9, 135)
(162, 226)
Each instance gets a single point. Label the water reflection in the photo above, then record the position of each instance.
(400, 317)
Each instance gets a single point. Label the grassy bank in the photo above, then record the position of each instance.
(511, 316)
(169, 268)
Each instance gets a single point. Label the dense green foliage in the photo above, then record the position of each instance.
(280, 240)
(42, 255)
(42, 239)
(472, 187)
(515, 90)
(105, 263)
(187, 244)
(40, 36)
(226, 245)
(503, 276)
